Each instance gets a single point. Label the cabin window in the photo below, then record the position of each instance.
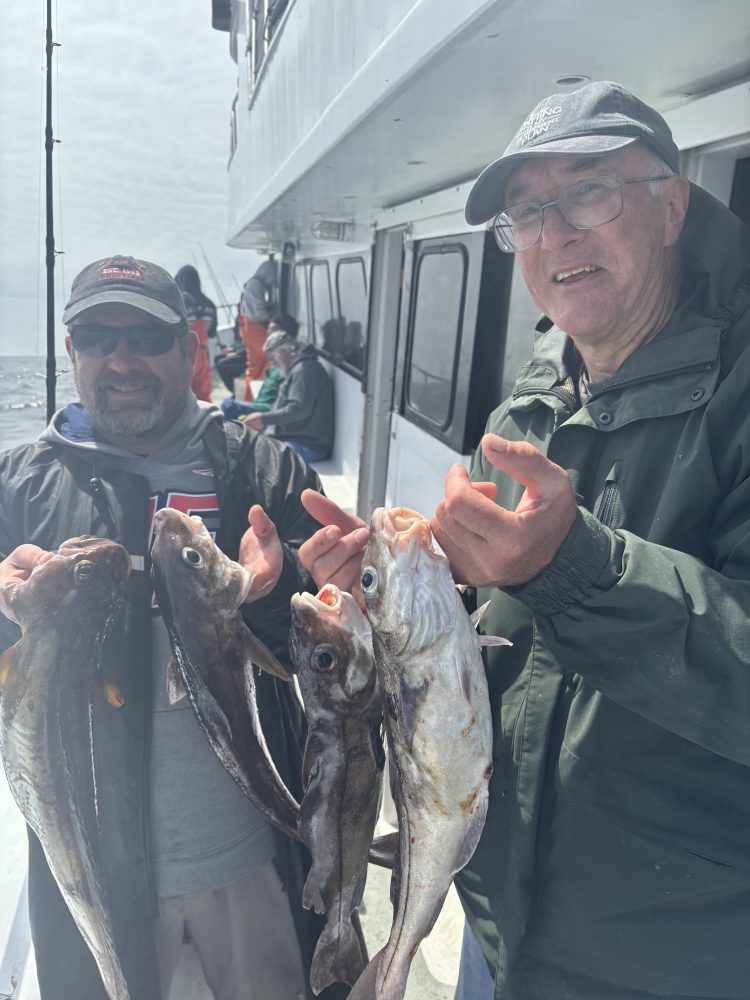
(299, 307)
(436, 333)
(322, 307)
(351, 292)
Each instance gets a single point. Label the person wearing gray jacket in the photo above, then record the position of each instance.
(303, 414)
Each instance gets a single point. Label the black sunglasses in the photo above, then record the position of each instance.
(97, 340)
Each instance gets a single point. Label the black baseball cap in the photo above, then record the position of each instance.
(129, 282)
(598, 118)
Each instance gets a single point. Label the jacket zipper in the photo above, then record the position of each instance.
(610, 494)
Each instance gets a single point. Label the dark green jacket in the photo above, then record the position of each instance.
(615, 862)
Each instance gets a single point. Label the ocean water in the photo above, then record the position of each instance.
(23, 397)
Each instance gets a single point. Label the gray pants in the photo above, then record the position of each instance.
(244, 937)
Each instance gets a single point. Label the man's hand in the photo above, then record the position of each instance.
(489, 546)
(17, 568)
(334, 554)
(261, 553)
(253, 420)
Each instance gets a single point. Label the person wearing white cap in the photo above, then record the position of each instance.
(606, 520)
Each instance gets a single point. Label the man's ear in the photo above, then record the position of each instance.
(678, 199)
(69, 349)
(191, 345)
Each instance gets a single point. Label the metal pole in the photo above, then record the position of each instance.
(48, 145)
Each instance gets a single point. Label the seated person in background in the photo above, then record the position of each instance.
(303, 414)
(234, 409)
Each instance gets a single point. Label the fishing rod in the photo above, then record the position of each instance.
(223, 300)
(49, 143)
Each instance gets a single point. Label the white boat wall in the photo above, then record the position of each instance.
(357, 131)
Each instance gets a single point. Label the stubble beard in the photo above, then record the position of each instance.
(129, 423)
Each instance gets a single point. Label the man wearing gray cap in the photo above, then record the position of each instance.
(607, 522)
(185, 853)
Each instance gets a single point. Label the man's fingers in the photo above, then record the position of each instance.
(261, 523)
(333, 558)
(526, 464)
(326, 511)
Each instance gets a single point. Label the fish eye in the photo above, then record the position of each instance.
(83, 571)
(369, 581)
(324, 658)
(191, 557)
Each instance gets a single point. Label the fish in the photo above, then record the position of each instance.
(199, 590)
(438, 724)
(49, 679)
(331, 646)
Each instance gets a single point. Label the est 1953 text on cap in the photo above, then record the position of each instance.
(598, 118)
(130, 282)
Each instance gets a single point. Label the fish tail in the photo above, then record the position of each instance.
(338, 957)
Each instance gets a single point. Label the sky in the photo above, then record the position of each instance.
(142, 92)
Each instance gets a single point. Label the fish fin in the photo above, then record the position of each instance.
(112, 694)
(476, 616)
(384, 849)
(494, 640)
(311, 897)
(8, 662)
(338, 957)
(176, 689)
(250, 649)
(365, 987)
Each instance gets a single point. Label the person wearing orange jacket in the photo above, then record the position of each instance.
(201, 313)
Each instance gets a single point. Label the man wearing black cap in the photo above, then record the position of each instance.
(184, 852)
(607, 522)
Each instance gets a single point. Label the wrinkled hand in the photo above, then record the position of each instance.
(261, 553)
(334, 553)
(17, 568)
(489, 546)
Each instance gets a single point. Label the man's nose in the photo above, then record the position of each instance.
(557, 232)
(121, 359)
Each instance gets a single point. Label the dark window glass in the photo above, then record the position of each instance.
(351, 287)
(299, 306)
(436, 328)
(322, 307)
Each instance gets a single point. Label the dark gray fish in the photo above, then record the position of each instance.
(49, 679)
(331, 645)
(200, 591)
(439, 728)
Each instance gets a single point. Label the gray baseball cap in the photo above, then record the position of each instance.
(599, 118)
(130, 282)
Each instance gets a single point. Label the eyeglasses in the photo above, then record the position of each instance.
(586, 204)
(97, 340)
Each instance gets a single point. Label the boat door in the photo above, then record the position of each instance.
(448, 360)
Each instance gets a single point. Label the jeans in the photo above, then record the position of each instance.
(233, 408)
(308, 454)
(474, 979)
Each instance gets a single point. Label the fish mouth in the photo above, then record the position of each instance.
(405, 530)
(332, 603)
(175, 522)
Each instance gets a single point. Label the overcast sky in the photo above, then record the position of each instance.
(142, 94)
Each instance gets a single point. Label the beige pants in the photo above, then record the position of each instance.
(244, 937)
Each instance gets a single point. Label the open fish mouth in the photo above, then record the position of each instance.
(174, 521)
(334, 604)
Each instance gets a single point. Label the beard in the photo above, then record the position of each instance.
(123, 422)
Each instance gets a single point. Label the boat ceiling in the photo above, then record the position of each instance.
(460, 107)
